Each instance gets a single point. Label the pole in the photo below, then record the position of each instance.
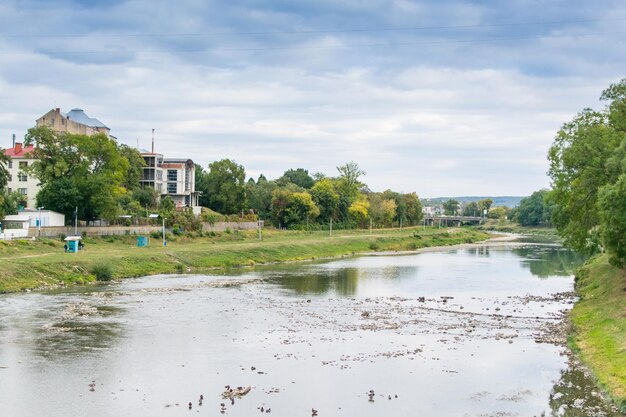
(400, 223)
(260, 229)
(331, 226)
(39, 222)
(76, 222)
(164, 231)
(370, 225)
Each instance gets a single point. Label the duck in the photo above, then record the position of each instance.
(313, 412)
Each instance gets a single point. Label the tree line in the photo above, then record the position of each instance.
(95, 178)
(298, 199)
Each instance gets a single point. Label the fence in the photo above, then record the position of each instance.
(139, 230)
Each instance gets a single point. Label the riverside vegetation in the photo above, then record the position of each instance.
(42, 263)
(599, 320)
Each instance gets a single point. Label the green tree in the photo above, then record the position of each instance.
(347, 186)
(259, 196)
(534, 210)
(612, 205)
(587, 169)
(225, 187)
(450, 207)
(414, 213)
(578, 169)
(484, 204)
(299, 176)
(134, 173)
(471, 209)
(4, 172)
(89, 171)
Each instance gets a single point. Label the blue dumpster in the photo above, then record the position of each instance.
(142, 241)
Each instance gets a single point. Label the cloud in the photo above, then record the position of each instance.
(282, 85)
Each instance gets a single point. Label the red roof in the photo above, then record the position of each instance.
(22, 151)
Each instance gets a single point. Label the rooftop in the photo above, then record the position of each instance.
(78, 115)
(19, 151)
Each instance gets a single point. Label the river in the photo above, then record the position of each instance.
(458, 332)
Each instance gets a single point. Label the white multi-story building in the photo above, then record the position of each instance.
(19, 180)
(171, 177)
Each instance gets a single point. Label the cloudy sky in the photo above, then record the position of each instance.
(439, 97)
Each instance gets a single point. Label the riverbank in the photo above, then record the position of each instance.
(599, 320)
(42, 263)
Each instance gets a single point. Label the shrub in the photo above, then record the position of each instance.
(102, 272)
(156, 234)
(374, 246)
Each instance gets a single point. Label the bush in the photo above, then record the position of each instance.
(156, 234)
(374, 246)
(102, 272)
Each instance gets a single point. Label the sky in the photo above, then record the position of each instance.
(439, 97)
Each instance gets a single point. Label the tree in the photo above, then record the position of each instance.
(414, 214)
(350, 173)
(450, 207)
(4, 172)
(578, 170)
(587, 169)
(534, 210)
(81, 171)
(259, 196)
(299, 176)
(225, 187)
(134, 173)
(359, 210)
(326, 198)
(291, 207)
(471, 209)
(484, 204)
(612, 205)
(347, 187)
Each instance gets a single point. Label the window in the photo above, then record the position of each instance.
(23, 164)
(21, 177)
(10, 190)
(172, 175)
(171, 188)
(10, 178)
(10, 164)
(22, 191)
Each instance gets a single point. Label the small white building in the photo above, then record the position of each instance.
(45, 218)
(14, 226)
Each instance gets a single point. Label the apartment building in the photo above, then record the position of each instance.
(171, 177)
(19, 180)
(75, 121)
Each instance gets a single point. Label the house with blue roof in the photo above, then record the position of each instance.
(75, 121)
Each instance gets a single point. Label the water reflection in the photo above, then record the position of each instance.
(575, 395)
(544, 262)
(342, 282)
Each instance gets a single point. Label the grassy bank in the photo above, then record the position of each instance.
(43, 263)
(599, 320)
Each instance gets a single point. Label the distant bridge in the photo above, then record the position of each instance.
(451, 220)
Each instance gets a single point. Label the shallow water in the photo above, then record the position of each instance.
(468, 332)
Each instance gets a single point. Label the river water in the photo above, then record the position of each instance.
(460, 332)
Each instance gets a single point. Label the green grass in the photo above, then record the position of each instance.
(43, 263)
(599, 320)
